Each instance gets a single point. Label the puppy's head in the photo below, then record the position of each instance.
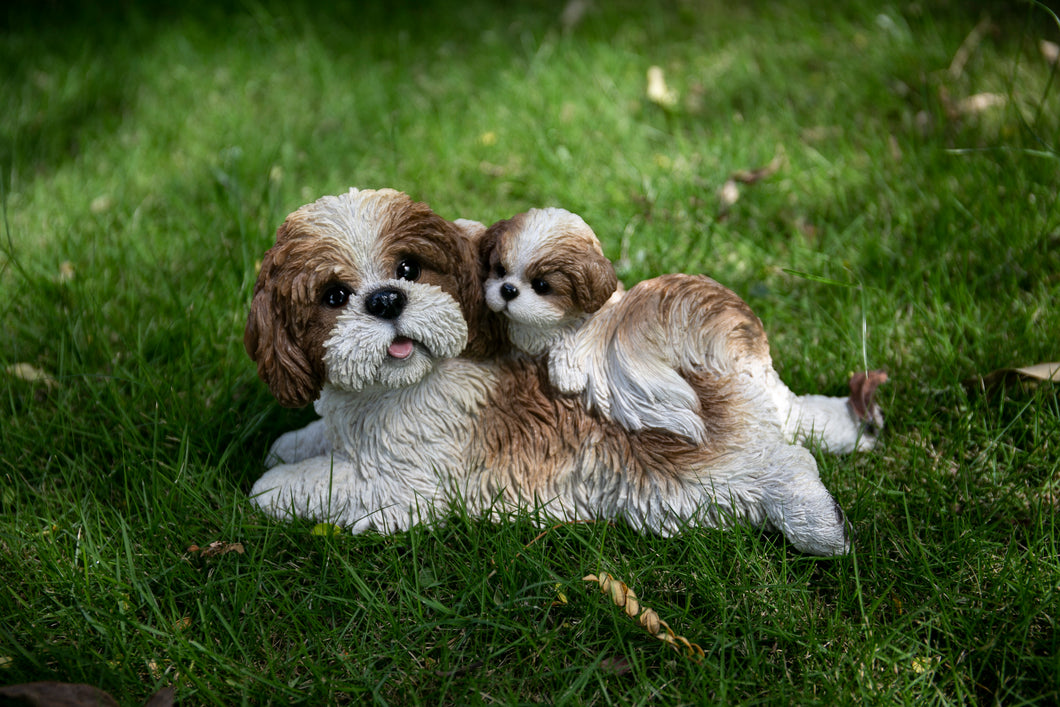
(545, 268)
(366, 289)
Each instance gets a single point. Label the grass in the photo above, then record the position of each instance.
(147, 156)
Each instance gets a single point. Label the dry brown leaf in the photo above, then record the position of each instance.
(56, 694)
(753, 176)
(1007, 377)
(729, 193)
(623, 596)
(31, 374)
(980, 102)
(217, 548)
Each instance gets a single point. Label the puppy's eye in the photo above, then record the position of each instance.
(499, 270)
(408, 269)
(540, 286)
(336, 296)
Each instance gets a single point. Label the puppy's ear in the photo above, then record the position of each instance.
(272, 337)
(487, 332)
(596, 281)
(488, 241)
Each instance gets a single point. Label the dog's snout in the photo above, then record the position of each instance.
(385, 304)
(509, 292)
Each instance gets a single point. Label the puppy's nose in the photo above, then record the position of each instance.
(385, 304)
(509, 292)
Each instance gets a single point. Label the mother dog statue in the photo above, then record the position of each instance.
(371, 305)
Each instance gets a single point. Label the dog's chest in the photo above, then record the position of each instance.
(410, 432)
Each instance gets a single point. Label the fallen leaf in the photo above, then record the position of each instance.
(326, 530)
(729, 193)
(615, 666)
(31, 374)
(1050, 51)
(163, 698)
(56, 694)
(1007, 377)
(658, 92)
(217, 548)
(753, 176)
(101, 203)
(923, 665)
(980, 102)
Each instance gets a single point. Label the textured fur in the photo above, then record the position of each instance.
(453, 422)
(630, 357)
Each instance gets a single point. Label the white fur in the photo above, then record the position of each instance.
(388, 452)
(637, 389)
(356, 355)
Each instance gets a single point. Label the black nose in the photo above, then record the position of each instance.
(509, 292)
(385, 304)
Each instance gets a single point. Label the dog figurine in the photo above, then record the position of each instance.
(371, 305)
(628, 356)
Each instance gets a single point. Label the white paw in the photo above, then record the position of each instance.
(296, 445)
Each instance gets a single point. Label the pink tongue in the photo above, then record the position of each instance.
(400, 347)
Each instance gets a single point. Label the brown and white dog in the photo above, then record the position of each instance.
(629, 357)
(371, 305)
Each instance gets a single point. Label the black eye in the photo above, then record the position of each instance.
(499, 270)
(336, 296)
(408, 269)
(540, 286)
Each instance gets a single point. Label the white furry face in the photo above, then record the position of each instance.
(546, 270)
(364, 289)
(369, 347)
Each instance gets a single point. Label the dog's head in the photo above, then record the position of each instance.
(366, 289)
(545, 268)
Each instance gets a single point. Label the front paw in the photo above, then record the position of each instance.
(296, 445)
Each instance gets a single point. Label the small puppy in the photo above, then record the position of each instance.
(548, 276)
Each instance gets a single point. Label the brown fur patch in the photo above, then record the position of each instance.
(532, 440)
(693, 312)
(287, 325)
(581, 274)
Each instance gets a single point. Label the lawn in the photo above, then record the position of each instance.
(904, 216)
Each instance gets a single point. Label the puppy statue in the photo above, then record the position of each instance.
(371, 305)
(631, 357)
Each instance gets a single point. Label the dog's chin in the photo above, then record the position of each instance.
(365, 352)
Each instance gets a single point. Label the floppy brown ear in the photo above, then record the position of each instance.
(487, 241)
(273, 342)
(487, 332)
(596, 282)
